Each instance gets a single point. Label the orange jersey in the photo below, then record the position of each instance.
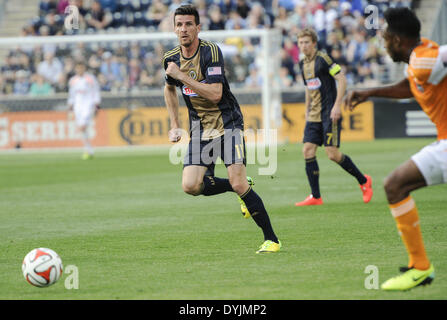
(427, 74)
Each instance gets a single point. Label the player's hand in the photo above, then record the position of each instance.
(335, 112)
(173, 71)
(354, 98)
(175, 135)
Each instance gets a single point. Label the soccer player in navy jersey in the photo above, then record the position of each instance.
(216, 123)
(323, 116)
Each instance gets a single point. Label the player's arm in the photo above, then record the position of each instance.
(209, 91)
(341, 90)
(172, 104)
(400, 90)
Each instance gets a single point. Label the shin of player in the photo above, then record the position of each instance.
(83, 100)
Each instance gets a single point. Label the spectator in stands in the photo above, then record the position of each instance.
(400, 3)
(103, 83)
(286, 80)
(242, 8)
(347, 19)
(357, 48)
(356, 6)
(216, 19)
(254, 79)
(49, 48)
(282, 21)
(174, 5)
(110, 68)
(2, 85)
(40, 87)
(235, 21)
(319, 21)
(292, 50)
(109, 5)
(226, 6)
(97, 18)
(94, 64)
(301, 17)
(339, 23)
(156, 12)
(256, 18)
(61, 6)
(54, 24)
(69, 67)
(51, 68)
(45, 6)
(289, 5)
(287, 63)
(202, 8)
(134, 72)
(331, 13)
(21, 85)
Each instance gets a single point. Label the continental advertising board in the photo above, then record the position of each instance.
(149, 126)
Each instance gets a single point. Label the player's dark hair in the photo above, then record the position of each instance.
(402, 21)
(188, 10)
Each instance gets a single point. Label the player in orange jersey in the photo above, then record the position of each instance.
(426, 81)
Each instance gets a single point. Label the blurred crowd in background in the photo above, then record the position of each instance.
(136, 66)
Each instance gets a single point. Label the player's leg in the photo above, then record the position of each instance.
(332, 132)
(82, 120)
(238, 179)
(200, 178)
(427, 167)
(192, 179)
(312, 139)
(88, 149)
(398, 186)
(234, 156)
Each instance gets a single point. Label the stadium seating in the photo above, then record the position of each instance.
(339, 24)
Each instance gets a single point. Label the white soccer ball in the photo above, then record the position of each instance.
(42, 267)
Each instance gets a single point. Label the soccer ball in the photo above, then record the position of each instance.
(42, 267)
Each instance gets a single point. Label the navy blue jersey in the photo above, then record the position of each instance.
(318, 75)
(206, 65)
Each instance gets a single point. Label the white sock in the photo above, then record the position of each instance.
(87, 146)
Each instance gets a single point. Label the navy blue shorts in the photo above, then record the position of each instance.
(325, 133)
(230, 147)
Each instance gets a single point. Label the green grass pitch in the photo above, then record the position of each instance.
(123, 220)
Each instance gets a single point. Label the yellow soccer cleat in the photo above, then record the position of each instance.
(409, 279)
(244, 209)
(87, 156)
(269, 247)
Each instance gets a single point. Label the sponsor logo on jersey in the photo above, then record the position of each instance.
(313, 84)
(193, 74)
(188, 92)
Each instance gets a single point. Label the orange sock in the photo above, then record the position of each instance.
(406, 215)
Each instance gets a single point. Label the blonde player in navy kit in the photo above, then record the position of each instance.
(216, 122)
(323, 116)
